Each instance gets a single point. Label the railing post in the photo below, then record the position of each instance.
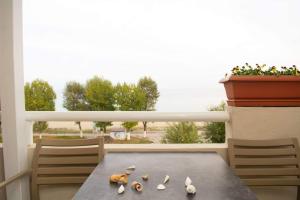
(15, 142)
(29, 131)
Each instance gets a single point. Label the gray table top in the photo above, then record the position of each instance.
(211, 176)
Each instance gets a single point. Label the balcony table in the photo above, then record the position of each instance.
(211, 176)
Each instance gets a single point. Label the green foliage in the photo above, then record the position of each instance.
(263, 70)
(129, 97)
(39, 96)
(183, 132)
(99, 94)
(40, 126)
(220, 107)
(74, 97)
(149, 87)
(129, 125)
(103, 125)
(215, 131)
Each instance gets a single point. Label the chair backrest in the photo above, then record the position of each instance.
(265, 162)
(64, 161)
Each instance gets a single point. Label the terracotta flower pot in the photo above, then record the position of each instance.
(256, 91)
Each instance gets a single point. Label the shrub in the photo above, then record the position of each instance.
(214, 132)
(39, 126)
(183, 132)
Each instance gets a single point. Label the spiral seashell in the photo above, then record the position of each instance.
(145, 177)
(137, 186)
(190, 189)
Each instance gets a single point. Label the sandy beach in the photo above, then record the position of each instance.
(156, 130)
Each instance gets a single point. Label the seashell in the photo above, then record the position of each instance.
(128, 172)
(188, 181)
(121, 189)
(161, 187)
(145, 177)
(167, 178)
(132, 167)
(190, 189)
(119, 178)
(137, 186)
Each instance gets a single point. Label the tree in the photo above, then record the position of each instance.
(215, 131)
(103, 125)
(39, 96)
(183, 132)
(99, 95)
(149, 87)
(129, 97)
(74, 99)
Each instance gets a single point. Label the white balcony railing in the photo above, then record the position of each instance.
(213, 116)
(153, 116)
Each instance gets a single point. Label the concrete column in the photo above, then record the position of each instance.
(263, 122)
(15, 141)
(28, 131)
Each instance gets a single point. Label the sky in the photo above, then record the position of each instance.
(186, 46)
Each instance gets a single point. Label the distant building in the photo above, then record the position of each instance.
(118, 133)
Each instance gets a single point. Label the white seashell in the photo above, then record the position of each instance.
(188, 181)
(167, 178)
(132, 167)
(190, 189)
(121, 189)
(161, 187)
(128, 172)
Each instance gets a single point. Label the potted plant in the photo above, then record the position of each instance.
(258, 86)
